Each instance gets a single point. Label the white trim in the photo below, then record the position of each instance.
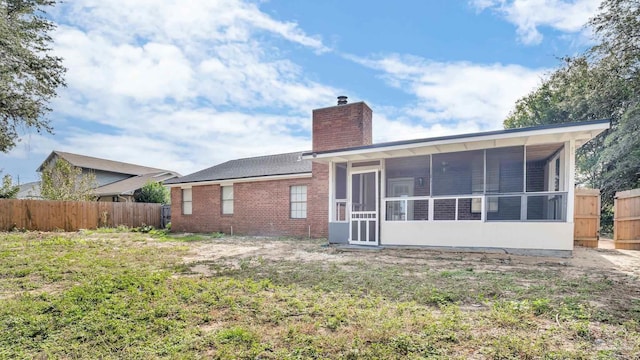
(240, 180)
(570, 155)
(523, 137)
(332, 199)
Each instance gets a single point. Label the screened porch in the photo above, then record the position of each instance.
(519, 183)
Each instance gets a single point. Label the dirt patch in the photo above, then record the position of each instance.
(232, 250)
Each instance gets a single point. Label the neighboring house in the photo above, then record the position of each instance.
(116, 181)
(30, 190)
(508, 189)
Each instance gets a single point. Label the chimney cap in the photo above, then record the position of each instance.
(342, 100)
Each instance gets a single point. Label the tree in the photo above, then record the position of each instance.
(8, 190)
(152, 192)
(29, 75)
(63, 181)
(602, 83)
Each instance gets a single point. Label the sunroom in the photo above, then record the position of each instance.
(509, 189)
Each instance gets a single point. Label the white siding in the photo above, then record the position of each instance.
(512, 235)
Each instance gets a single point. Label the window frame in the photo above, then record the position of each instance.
(190, 201)
(298, 212)
(224, 211)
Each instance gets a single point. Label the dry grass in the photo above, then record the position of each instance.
(114, 295)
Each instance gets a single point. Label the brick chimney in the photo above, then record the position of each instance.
(342, 126)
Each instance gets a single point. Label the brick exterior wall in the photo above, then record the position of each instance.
(263, 207)
(259, 208)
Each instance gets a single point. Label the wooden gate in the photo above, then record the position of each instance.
(586, 218)
(626, 221)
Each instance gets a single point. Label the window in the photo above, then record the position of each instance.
(186, 201)
(541, 170)
(227, 200)
(408, 176)
(505, 170)
(458, 173)
(299, 202)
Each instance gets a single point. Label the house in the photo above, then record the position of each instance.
(509, 189)
(30, 190)
(116, 181)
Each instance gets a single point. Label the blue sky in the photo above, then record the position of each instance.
(187, 84)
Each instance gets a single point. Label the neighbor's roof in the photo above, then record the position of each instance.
(579, 131)
(89, 162)
(270, 165)
(130, 185)
(30, 190)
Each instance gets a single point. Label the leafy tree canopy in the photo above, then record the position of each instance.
(152, 192)
(8, 190)
(603, 83)
(29, 75)
(63, 181)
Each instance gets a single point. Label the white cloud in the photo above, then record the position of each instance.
(529, 15)
(187, 84)
(461, 94)
(184, 21)
(385, 129)
(180, 85)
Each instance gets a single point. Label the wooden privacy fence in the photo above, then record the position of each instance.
(47, 215)
(586, 217)
(626, 221)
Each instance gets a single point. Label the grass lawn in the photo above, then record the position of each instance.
(109, 294)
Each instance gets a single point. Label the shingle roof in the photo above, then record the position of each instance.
(130, 185)
(89, 162)
(270, 165)
(30, 190)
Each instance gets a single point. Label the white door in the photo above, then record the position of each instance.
(364, 208)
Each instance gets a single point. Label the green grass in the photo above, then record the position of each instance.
(129, 295)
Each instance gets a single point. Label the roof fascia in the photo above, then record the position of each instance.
(593, 129)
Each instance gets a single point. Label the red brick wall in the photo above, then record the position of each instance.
(260, 208)
(263, 208)
(342, 126)
(318, 200)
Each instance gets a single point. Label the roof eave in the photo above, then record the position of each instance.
(465, 142)
(240, 180)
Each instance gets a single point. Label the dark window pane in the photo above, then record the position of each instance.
(418, 210)
(505, 170)
(541, 166)
(458, 173)
(546, 207)
(341, 181)
(372, 231)
(396, 210)
(407, 176)
(503, 208)
(466, 210)
(444, 209)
